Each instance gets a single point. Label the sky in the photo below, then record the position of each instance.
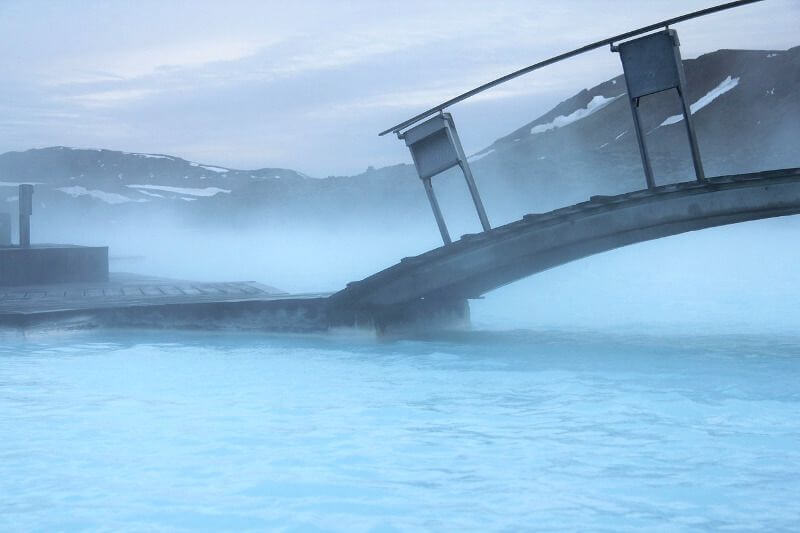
(308, 85)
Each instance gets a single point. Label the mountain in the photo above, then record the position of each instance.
(746, 108)
(746, 111)
(112, 184)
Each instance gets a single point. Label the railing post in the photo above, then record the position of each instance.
(652, 64)
(473, 189)
(476, 198)
(699, 173)
(436, 147)
(437, 212)
(637, 127)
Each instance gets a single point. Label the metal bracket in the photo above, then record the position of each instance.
(435, 147)
(652, 64)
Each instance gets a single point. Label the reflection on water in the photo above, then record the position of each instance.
(471, 430)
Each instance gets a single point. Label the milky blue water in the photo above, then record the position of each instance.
(482, 430)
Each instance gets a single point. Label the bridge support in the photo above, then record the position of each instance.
(421, 314)
(435, 147)
(652, 64)
(431, 283)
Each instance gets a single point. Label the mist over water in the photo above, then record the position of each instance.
(728, 279)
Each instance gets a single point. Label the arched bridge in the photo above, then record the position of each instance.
(442, 280)
(484, 261)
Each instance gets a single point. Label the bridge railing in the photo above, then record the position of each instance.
(651, 63)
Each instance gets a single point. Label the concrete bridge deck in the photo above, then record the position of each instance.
(481, 262)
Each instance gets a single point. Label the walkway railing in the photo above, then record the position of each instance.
(651, 64)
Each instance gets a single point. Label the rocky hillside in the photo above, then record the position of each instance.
(746, 108)
(106, 183)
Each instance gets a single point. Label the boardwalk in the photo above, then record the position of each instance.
(153, 302)
(479, 263)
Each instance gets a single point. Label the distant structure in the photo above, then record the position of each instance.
(26, 264)
(25, 211)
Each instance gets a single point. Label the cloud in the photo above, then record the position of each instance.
(309, 84)
(112, 97)
(142, 62)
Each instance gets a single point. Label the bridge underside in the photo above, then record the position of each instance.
(479, 263)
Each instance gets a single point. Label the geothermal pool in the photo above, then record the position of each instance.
(514, 430)
(653, 387)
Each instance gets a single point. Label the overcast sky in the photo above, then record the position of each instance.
(308, 85)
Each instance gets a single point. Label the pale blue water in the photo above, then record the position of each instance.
(516, 430)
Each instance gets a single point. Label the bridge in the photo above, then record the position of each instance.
(437, 285)
(478, 263)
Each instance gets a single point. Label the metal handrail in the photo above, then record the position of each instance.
(561, 57)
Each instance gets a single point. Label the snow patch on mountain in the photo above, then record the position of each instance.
(479, 156)
(726, 85)
(218, 170)
(595, 104)
(107, 197)
(147, 193)
(188, 191)
(151, 156)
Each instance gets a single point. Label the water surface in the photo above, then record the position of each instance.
(514, 430)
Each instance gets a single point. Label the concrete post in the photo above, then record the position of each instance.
(25, 212)
(5, 229)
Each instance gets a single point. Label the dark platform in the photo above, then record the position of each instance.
(52, 263)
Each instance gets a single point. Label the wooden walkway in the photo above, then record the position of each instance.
(127, 291)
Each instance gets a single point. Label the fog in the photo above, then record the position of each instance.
(733, 279)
